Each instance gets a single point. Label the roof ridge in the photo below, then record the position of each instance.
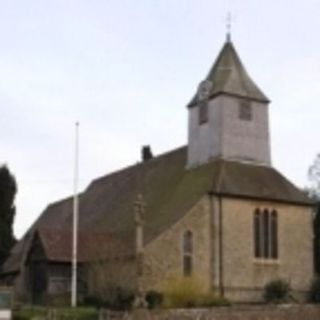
(137, 165)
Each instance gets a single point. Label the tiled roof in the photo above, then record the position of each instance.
(57, 245)
(169, 189)
(229, 76)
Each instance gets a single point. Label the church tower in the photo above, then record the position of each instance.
(228, 117)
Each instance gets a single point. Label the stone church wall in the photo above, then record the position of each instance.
(163, 256)
(243, 275)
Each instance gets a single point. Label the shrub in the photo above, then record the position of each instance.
(116, 298)
(58, 300)
(314, 293)
(186, 293)
(154, 299)
(181, 293)
(120, 298)
(277, 291)
(92, 301)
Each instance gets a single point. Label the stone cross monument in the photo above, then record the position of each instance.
(139, 219)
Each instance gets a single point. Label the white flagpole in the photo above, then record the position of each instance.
(75, 220)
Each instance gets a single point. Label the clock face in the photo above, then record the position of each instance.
(204, 90)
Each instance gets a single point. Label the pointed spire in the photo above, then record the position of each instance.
(228, 76)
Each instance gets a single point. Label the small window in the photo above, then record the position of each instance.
(187, 253)
(245, 110)
(187, 243)
(203, 112)
(187, 266)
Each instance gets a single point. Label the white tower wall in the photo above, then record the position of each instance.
(225, 135)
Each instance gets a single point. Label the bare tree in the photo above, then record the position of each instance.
(314, 192)
(314, 177)
(8, 189)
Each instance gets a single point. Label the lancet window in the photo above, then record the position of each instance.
(187, 253)
(265, 233)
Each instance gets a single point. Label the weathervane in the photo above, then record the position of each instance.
(228, 26)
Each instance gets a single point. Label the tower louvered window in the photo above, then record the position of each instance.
(203, 112)
(265, 233)
(187, 253)
(245, 110)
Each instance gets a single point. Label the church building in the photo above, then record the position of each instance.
(215, 211)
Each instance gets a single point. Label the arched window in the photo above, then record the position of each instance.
(265, 232)
(187, 253)
(257, 234)
(274, 234)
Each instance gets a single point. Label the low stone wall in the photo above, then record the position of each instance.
(283, 312)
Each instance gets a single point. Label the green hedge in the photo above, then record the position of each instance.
(27, 313)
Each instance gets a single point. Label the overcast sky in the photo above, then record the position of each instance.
(125, 69)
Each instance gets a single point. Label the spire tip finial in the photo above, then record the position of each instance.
(228, 26)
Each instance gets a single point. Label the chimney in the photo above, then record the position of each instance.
(146, 153)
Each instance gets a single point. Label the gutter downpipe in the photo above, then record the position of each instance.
(217, 225)
(221, 269)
